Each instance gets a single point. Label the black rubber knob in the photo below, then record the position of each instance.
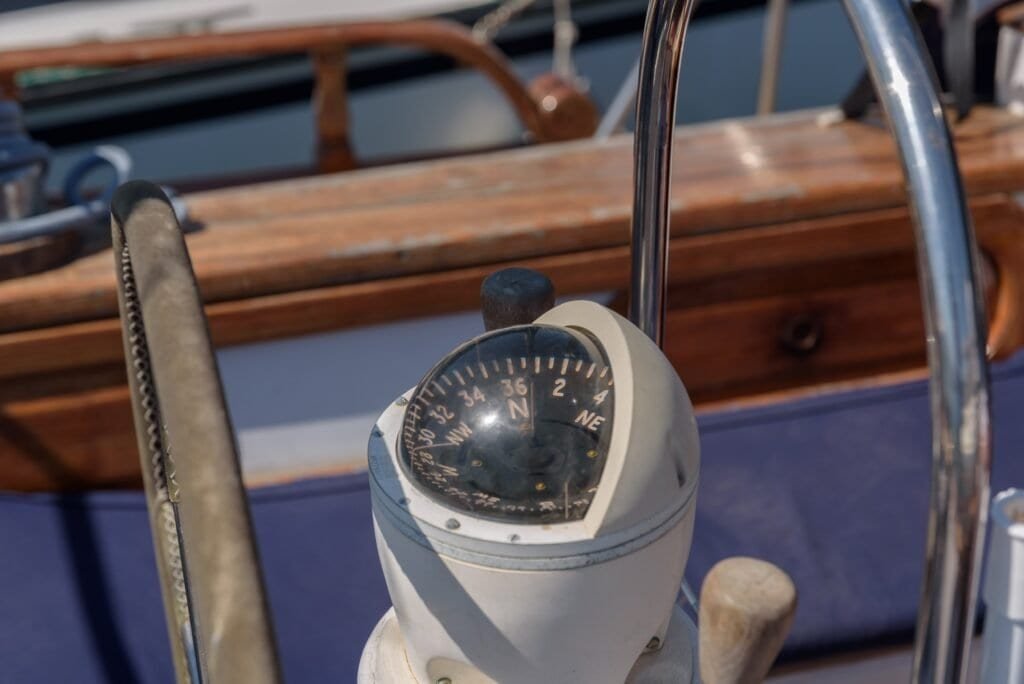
(515, 296)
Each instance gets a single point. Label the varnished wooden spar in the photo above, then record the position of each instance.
(792, 265)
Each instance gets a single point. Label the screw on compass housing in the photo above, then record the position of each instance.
(515, 296)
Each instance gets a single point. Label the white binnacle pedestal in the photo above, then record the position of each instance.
(480, 599)
(675, 662)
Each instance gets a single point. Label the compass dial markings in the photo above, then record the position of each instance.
(529, 444)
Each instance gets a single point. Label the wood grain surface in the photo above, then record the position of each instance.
(792, 266)
(553, 199)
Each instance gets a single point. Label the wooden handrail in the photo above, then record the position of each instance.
(542, 111)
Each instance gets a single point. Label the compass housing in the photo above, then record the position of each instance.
(524, 595)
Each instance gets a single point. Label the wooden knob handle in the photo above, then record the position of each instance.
(746, 610)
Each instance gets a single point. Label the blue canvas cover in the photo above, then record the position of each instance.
(834, 489)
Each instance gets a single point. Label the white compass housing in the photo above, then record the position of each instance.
(532, 526)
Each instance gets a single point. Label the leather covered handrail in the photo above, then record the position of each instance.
(214, 598)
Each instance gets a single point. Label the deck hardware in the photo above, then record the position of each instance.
(801, 335)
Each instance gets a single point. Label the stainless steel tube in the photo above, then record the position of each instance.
(955, 327)
(664, 32)
(953, 310)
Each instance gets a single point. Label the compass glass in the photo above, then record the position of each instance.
(514, 425)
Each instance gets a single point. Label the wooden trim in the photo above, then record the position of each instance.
(521, 205)
(442, 37)
(330, 106)
(9, 86)
(1011, 15)
(1004, 264)
(714, 257)
(774, 221)
(64, 413)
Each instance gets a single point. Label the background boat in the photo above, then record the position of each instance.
(402, 105)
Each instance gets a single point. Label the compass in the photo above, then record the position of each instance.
(533, 503)
(515, 424)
